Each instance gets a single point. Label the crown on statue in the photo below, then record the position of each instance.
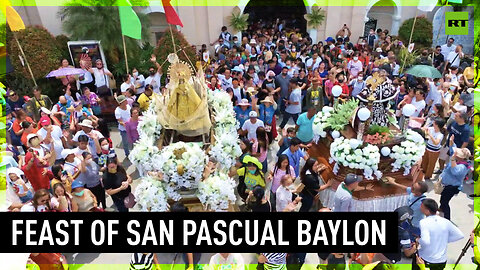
(375, 80)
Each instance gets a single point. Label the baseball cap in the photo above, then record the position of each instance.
(66, 152)
(121, 99)
(330, 39)
(76, 184)
(45, 121)
(31, 135)
(252, 114)
(352, 178)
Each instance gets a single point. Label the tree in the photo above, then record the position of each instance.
(61, 43)
(99, 20)
(40, 50)
(165, 47)
(422, 33)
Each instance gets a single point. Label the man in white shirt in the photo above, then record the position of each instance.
(314, 62)
(454, 57)
(72, 163)
(225, 79)
(127, 84)
(436, 232)
(293, 103)
(122, 114)
(231, 261)
(154, 79)
(49, 133)
(447, 48)
(87, 129)
(434, 96)
(419, 102)
(250, 126)
(101, 74)
(138, 80)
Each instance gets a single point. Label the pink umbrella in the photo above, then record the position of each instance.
(65, 72)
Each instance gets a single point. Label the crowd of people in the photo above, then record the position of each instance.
(60, 156)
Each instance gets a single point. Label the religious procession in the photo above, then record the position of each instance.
(275, 109)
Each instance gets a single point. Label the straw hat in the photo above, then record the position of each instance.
(268, 99)
(244, 102)
(462, 153)
(251, 91)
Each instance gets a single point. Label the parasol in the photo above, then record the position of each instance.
(424, 71)
(62, 72)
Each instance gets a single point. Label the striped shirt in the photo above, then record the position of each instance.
(437, 136)
(141, 261)
(275, 261)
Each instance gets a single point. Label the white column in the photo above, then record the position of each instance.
(396, 19)
(313, 35)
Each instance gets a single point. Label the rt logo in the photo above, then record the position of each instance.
(456, 23)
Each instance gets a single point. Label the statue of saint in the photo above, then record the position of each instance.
(376, 96)
(184, 108)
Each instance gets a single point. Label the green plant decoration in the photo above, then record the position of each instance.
(406, 58)
(315, 18)
(238, 21)
(422, 33)
(342, 114)
(372, 129)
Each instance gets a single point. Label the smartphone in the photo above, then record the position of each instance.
(64, 172)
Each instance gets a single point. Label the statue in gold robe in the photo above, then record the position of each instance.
(184, 106)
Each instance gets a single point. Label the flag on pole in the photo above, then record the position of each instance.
(129, 20)
(13, 19)
(171, 14)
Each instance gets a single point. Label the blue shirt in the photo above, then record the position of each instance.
(295, 97)
(461, 132)
(305, 131)
(417, 214)
(241, 115)
(454, 176)
(266, 114)
(294, 159)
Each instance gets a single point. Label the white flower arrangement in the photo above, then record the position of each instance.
(151, 196)
(143, 153)
(149, 126)
(217, 191)
(354, 154)
(182, 166)
(226, 150)
(224, 115)
(320, 124)
(408, 152)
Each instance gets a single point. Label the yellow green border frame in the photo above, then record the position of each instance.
(224, 3)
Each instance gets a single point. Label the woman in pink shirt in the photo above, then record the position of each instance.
(260, 147)
(282, 167)
(132, 124)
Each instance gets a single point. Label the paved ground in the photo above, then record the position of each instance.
(462, 215)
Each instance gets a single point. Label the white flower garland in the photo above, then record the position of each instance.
(192, 163)
(408, 152)
(354, 154)
(150, 195)
(149, 126)
(320, 123)
(226, 148)
(217, 191)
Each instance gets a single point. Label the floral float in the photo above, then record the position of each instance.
(408, 152)
(181, 164)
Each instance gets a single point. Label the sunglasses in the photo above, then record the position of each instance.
(12, 95)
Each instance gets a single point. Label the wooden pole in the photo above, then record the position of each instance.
(410, 40)
(24, 58)
(125, 52)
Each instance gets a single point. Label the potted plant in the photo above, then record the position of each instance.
(238, 21)
(315, 18)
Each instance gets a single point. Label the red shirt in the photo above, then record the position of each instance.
(17, 124)
(345, 89)
(34, 174)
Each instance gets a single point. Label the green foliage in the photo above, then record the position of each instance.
(165, 47)
(99, 20)
(315, 18)
(142, 62)
(61, 43)
(372, 129)
(39, 48)
(342, 114)
(238, 21)
(422, 33)
(406, 59)
(3, 33)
